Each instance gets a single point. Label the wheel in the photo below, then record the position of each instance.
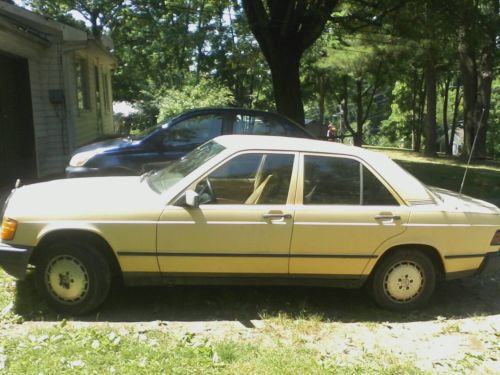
(74, 277)
(403, 281)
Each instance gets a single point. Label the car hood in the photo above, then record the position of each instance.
(464, 203)
(96, 198)
(108, 145)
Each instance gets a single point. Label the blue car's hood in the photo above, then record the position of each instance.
(108, 145)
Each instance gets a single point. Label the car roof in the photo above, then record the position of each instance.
(407, 186)
(265, 142)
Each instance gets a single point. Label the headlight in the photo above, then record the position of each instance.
(81, 158)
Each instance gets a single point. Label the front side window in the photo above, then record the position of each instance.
(342, 181)
(255, 178)
(193, 131)
(167, 177)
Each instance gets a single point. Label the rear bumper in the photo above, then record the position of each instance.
(14, 260)
(490, 264)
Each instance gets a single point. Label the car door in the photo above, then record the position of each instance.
(182, 137)
(243, 224)
(345, 213)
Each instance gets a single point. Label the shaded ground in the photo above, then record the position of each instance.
(455, 299)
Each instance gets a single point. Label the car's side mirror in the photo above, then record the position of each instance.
(192, 198)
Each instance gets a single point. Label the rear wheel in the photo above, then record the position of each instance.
(404, 280)
(74, 277)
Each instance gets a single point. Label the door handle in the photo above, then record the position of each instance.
(277, 216)
(387, 217)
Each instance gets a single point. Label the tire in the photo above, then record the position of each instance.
(74, 277)
(403, 281)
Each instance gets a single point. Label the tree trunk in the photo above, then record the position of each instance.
(445, 114)
(431, 88)
(286, 83)
(469, 79)
(345, 106)
(454, 122)
(322, 85)
(477, 61)
(358, 135)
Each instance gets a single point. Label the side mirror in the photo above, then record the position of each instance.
(192, 198)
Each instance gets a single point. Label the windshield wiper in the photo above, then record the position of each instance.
(147, 174)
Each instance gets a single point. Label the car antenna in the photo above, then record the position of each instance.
(18, 183)
(471, 153)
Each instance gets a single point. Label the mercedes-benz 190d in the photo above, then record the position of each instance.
(249, 210)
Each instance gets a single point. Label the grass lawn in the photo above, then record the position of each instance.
(483, 180)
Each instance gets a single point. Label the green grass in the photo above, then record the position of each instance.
(66, 350)
(483, 180)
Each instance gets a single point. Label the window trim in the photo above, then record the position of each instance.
(299, 199)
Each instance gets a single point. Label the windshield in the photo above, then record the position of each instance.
(144, 133)
(167, 177)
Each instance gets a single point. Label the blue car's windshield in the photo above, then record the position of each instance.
(167, 177)
(144, 133)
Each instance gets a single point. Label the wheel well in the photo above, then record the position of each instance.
(430, 251)
(83, 236)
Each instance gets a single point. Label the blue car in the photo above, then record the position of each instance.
(155, 147)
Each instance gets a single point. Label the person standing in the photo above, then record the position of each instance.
(331, 133)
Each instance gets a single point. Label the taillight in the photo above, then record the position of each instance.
(9, 227)
(496, 239)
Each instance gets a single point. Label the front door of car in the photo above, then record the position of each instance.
(346, 214)
(182, 137)
(242, 225)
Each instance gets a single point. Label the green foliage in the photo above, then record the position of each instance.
(364, 71)
(207, 93)
(395, 129)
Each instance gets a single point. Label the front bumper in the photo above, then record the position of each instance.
(490, 264)
(14, 260)
(82, 172)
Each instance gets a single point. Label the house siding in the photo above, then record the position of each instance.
(86, 121)
(59, 128)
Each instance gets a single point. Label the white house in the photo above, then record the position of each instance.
(55, 92)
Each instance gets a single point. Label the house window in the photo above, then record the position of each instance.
(82, 84)
(105, 83)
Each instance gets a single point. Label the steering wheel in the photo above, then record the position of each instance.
(207, 194)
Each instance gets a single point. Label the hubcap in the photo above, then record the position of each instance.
(404, 281)
(67, 279)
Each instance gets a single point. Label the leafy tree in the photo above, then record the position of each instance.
(284, 29)
(101, 14)
(478, 27)
(205, 93)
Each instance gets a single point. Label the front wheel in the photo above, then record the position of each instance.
(404, 280)
(74, 277)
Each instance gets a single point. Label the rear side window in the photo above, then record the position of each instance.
(342, 181)
(257, 125)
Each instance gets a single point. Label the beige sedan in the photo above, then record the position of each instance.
(245, 210)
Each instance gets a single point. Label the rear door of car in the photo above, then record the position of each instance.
(344, 213)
